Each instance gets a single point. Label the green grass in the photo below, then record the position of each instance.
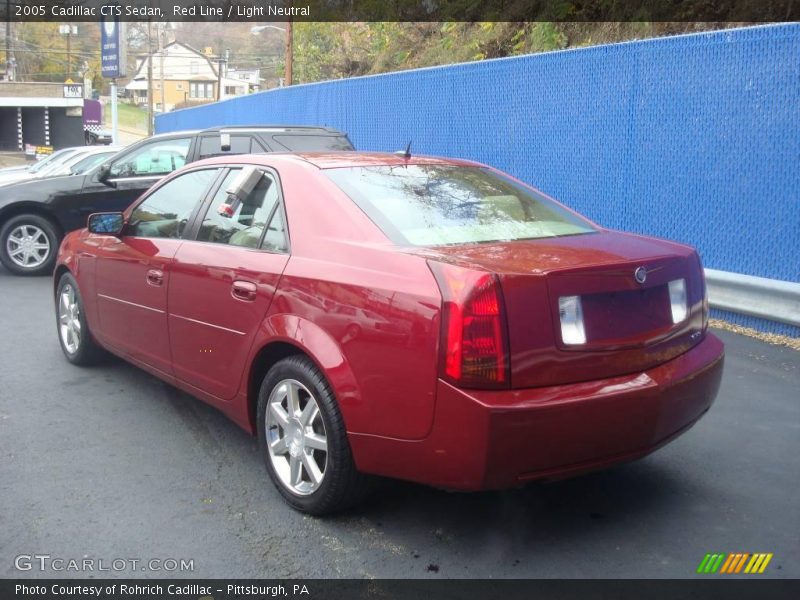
(130, 116)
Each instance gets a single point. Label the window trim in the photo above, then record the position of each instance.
(192, 220)
(190, 233)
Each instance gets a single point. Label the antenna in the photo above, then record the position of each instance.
(407, 153)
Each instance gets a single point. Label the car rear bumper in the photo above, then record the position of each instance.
(498, 439)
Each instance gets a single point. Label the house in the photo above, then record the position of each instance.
(189, 77)
(250, 76)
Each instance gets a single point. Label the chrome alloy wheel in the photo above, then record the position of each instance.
(69, 319)
(298, 445)
(28, 246)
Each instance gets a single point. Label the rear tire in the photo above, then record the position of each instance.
(303, 441)
(74, 336)
(29, 245)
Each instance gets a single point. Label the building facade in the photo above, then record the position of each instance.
(187, 75)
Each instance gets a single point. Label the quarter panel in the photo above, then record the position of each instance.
(376, 305)
(382, 326)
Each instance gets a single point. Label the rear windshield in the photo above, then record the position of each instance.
(313, 143)
(428, 205)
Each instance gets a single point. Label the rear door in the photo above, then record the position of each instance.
(222, 284)
(133, 270)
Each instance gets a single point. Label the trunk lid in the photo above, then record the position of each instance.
(628, 324)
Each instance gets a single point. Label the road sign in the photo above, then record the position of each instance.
(113, 48)
(72, 90)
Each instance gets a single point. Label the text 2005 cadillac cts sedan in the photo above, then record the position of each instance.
(419, 318)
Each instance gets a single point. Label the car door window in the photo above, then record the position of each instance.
(166, 212)
(246, 227)
(87, 163)
(152, 160)
(275, 239)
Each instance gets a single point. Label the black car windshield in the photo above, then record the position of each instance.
(427, 205)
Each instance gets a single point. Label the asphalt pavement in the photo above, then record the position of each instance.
(109, 463)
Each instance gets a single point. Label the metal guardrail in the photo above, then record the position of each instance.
(755, 296)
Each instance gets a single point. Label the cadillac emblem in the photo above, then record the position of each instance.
(640, 274)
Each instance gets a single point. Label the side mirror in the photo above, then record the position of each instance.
(103, 173)
(110, 223)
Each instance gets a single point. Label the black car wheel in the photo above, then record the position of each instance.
(303, 441)
(28, 245)
(73, 331)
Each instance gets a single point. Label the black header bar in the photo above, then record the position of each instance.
(712, 587)
(744, 11)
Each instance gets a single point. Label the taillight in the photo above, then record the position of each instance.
(474, 340)
(702, 277)
(705, 301)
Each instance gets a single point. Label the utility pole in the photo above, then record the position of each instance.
(220, 61)
(287, 49)
(289, 54)
(114, 113)
(149, 78)
(69, 31)
(161, 67)
(69, 52)
(8, 40)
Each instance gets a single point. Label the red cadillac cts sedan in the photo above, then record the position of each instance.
(426, 319)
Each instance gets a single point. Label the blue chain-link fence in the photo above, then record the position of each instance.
(694, 138)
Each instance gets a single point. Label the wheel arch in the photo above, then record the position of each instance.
(23, 207)
(288, 335)
(60, 269)
(262, 362)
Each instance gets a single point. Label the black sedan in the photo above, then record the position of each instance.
(35, 215)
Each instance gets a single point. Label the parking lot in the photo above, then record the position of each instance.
(111, 463)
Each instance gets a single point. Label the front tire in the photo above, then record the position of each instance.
(73, 332)
(28, 245)
(303, 441)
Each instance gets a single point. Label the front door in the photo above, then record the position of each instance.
(222, 284)
(133, 270)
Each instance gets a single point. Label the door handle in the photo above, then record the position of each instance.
(155, 277)
(244, 290)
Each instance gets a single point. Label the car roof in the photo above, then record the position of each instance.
(273, 129)
(101, 149)
(335, 160)
(161, 136)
